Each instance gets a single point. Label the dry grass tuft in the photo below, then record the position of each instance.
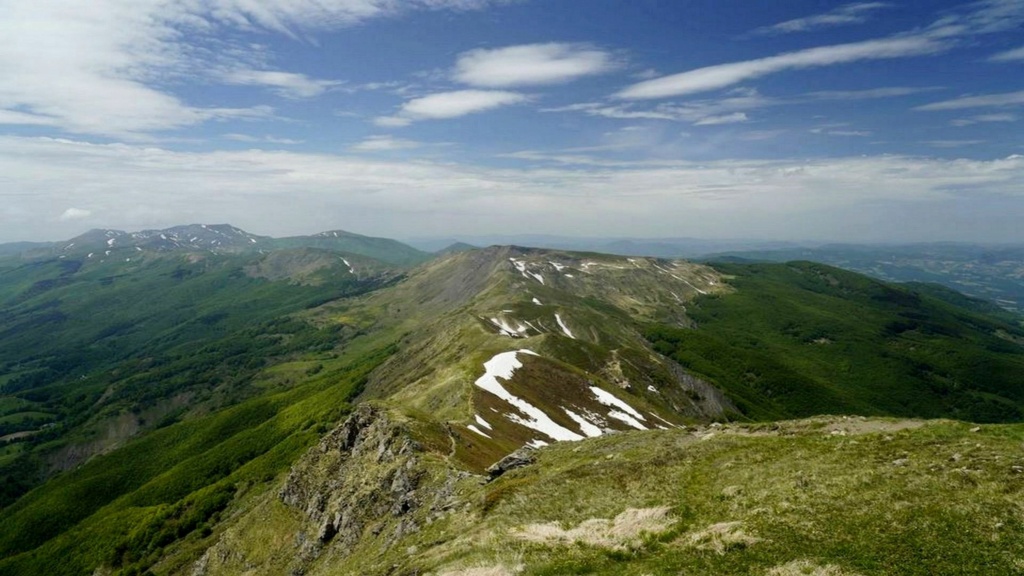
(720, 538)
(807, 568)
(496, 570)
(623, 531)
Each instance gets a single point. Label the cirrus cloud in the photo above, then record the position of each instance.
(725, 75)
(530, 64)
(446, 105)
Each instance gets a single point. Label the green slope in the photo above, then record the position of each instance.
(226, 371)
(124, 508)
(383, 249)
(98, 352)
(825, 496)
(801, 338)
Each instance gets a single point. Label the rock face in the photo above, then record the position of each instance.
(522, 457)
(364, 487)
(361, 475)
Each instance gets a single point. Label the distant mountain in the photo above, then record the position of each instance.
(311, 411)
(455, 247)
(654, 247)
(17, 248)
(215, 238)
(994, 273)
(383, 249)
(220, 238)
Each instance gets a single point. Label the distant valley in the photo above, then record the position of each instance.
(200, 400)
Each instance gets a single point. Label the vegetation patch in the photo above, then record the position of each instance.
(627, 530)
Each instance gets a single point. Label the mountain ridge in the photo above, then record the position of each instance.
(611, 371)
(216, 238)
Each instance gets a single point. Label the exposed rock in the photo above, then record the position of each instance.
(363, 472)
(522, 457)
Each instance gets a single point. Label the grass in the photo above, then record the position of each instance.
(831, 496)
(799, 339)
(933, 500)
(170, 482)
(101, 346)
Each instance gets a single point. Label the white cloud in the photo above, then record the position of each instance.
(445, 105)
(725, 75)
(856, 13)
(952, 143)
(530, 64)
(384, 144)
(733, 118)
(976, 18)
(871, 93)
(1009, 55)
(74, 214)
(981, 101)
(834, 132)
(99, 67)
(287, 84)
(281, 192)
(983, 118)
(267, 139)
(740, 100)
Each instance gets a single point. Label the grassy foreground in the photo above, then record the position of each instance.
(829, 496)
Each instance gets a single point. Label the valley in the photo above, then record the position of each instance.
(204, 401)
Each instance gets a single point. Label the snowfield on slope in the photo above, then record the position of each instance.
(503, 366)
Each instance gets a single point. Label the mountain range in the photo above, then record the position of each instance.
(200, 400)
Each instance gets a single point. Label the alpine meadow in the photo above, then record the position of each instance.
(605, 288)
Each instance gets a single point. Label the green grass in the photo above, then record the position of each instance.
(124, 507)
(935, 500)
(154, 340)
(799, 339)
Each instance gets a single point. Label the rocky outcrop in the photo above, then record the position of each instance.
(518, 459)
(363, 488)
(362, 476)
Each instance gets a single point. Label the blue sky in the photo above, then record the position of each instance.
(798, 120)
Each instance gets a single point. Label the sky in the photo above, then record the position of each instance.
(890, 121)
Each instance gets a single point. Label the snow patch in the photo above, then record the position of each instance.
(622, 416)
(111, 241)
(537, 302)
(558, 267)
(504, 366)
(670, 273)
(588, 427)
(350, 268)
(609, 399)
(665, 421)
(89, 255)
(507, 329)
(521, 266)
(565, 329)
(478, 431)
(482, 422)
(651, 388)
(536, 443)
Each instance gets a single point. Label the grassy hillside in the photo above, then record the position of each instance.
(183, 404)
(383, 249)
(125, 508)
(995, 273)
(826, 496)
(93, 353)
(801, 338)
